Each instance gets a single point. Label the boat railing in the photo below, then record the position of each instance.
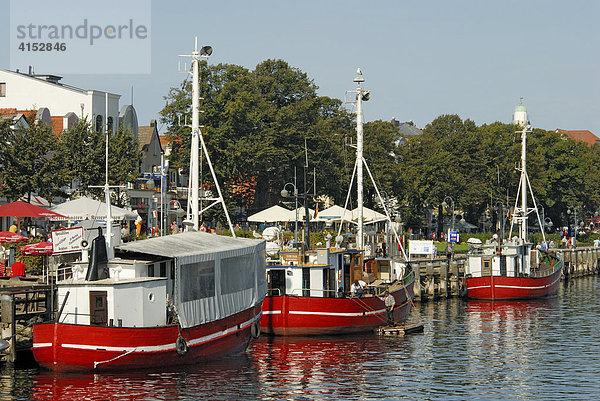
(67, 314)
(274, 292)
(300, 291)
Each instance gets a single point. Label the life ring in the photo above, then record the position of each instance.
(181, 346)
(255, 330)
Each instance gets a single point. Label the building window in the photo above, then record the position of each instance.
(2, 89)
(98, 123)
(110, 125)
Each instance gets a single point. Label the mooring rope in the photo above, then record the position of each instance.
(115, 358)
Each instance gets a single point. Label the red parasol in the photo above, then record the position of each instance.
(13, 238)
(24, 209)
(39, 248)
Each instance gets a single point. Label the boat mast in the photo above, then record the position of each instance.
(197, 141)
(109, 248)
(359, 157)
(522, 211)
(194, 168)
(524, 179)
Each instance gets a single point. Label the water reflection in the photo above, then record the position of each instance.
(534, 350)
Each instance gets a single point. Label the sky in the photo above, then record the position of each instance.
(420, 59)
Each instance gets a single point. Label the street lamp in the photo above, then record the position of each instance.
(150, 183)
(444, 204)
(285, 194)
(573, 210)
(179, 212)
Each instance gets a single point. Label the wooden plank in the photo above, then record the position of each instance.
(401, 329)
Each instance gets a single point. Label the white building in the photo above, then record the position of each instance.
(38, 92)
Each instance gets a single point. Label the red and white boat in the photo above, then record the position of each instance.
(165, 301)
(514, 268)
(313, 297)
(309, 292)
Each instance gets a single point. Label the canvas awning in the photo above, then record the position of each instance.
(272, 214)
(369, 215)
(336, 214)
(90, 209)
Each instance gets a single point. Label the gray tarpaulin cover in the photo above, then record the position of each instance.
(215, 276)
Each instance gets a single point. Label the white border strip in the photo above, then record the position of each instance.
(157, 348)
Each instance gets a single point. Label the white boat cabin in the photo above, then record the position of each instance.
(189, 279)
(326, 272)
(509, 259)
(134, 294)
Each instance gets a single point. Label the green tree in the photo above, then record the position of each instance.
(29, 162)
(256, 126)
(82, 152)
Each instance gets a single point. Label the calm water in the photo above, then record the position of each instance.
(540, 350)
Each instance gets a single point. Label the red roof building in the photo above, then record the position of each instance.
(580, 136)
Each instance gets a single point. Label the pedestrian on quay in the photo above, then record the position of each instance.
(18, 269)
(390, 303)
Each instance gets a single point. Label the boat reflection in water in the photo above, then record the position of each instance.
(217, 379)
(335, 367)
(508, 333)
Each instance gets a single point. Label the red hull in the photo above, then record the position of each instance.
(288, 315)
(500, 287)
(71, 347)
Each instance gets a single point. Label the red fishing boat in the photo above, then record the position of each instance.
(310, 291)
(314, 297)
(165, 301)
(160, 302)
(514, 268)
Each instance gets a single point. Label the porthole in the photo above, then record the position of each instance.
(151, 297)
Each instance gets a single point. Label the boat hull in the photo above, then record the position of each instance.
(289, 315)
(72, 347)
(500, 287)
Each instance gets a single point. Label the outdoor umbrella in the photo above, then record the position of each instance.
(24, 209)
(39, 248)
(13, 238)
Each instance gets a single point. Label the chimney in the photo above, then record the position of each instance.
(153, 123)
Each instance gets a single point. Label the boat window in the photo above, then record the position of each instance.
(235, 274)
(150, 270)
(197, 281)
(163, 269)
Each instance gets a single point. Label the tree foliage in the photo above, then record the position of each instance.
(476, 166)
(33, 160)
(257, 124)
(30, 163)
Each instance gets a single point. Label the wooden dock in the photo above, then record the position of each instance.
(400, 329)
(22, 303)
